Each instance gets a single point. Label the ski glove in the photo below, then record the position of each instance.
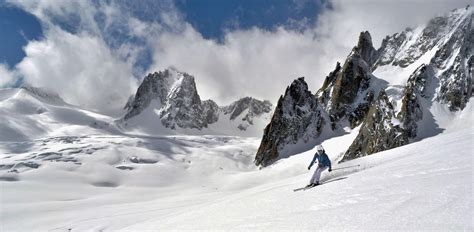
(330, 170)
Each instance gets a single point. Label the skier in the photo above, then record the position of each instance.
(323, 164)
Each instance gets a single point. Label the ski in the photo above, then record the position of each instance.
(299, 189)
(321, 183)
(304, 188)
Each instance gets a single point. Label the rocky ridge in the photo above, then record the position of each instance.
(441, 57)
(173, 97)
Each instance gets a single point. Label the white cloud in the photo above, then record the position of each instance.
(252, 62)
(7, 77)
(262, 63)
(50, 11)
(79, 67)
(380, 17)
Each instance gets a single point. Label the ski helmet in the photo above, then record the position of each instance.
(319, 148)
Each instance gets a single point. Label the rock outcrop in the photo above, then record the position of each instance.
(296, 117)
(246, 109)
(455, 59)
(380, 130)
(155, 86)
(175, 102)
(211, 110)
(412, 110)
(345, 93)
(423, 66)
(183, 107)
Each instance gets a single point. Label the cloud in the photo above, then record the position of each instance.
(248, 63)
(81, 68)
(262, 63)
(94, 65)
(74, 59)
(7, 77)
(347, 18)
(78, 15)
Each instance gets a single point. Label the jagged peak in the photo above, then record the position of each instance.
(365, 49)
(170, 72)
(365, 40)
(298, 85)
(254, 106)
(250, 100)
(329, 80)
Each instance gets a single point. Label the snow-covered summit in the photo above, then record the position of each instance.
(404, 48)
(389, 93)
(248, 108)
(167, 102)
(29, 113)
(44, 94)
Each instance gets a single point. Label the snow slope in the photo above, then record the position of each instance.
(34, 113)
(148, 123)
(126, 183)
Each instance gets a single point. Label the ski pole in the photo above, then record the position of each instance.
(346, 167)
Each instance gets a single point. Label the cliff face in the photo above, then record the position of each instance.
(296, 117)
(247, 109)
(170, 98)
(346, 92)
(426, 65)
(380, 130)
(176, 100)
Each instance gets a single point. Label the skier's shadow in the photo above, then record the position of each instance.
(336, 179)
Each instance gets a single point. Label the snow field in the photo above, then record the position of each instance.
(210, 183)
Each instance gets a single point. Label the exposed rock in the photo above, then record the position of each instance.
(324, 93)
(177, 104)
(456, 59)
(183, 107)
(343, 86)
(177, 100)
(411, 110)
(443, 51)
(154, 86)
(211, 111)
(390, 47)
(365, 48)
(380, 131)
(296, 117)
(129, 104)
(247, 109)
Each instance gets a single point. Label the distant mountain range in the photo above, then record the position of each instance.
(169, 99)
(166, 103)
(390, 95)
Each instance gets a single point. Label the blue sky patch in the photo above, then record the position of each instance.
(17, 27)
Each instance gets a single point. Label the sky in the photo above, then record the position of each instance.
(95, 53)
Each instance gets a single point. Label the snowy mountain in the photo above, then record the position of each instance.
(28, 113)
(247, 109)
(138, 183)
(388, 94)
(296, 117)
(176, 162)
(167, 102)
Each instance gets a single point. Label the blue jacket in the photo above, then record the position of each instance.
(323, 160)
